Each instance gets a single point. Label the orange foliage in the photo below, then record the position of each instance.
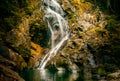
(37, 50)
(36, 53)
(20, 62)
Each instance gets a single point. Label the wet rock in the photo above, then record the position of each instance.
(115, 75)
(7, 62)
(4, 51)
(60, 69)
(8, 70)
(17, 59)
(9, 54)
(73, 68)
(6, 74)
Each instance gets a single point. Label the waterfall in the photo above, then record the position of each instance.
(58, 27)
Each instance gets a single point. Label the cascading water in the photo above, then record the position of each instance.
(58, 27)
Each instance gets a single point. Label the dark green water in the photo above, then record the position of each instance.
(51, 75)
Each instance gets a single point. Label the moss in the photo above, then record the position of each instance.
(101, 71)
(111, 26)
(108, 6)
(24, 52)
(13, 12)
(20, 63)
(61, 62)
(39, 33)
(32, 6)
(81, 6)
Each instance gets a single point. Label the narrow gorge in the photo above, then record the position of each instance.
(59, 40)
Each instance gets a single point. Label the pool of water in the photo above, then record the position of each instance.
(51, 75)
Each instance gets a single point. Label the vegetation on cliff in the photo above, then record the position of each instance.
(19, 21)
(94, 27)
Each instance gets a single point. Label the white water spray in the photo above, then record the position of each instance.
(58, 27)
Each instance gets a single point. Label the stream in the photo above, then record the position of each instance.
(51, 75)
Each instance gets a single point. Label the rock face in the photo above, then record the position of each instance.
(9, 62)
(93, 44)
(20, 22)
(9, 75)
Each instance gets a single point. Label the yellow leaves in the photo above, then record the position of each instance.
(37, 50)
(77, 1)
(84, 7)
(80, 5)
(23, 65)
(36, 53)
(20, 62)
(64, 6)
(31, 62)
(95, 29)
(88, 5)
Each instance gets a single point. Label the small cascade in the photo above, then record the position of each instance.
(91, 60)
(58, 27)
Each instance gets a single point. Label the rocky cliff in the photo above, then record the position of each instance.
(93, 46)
(21, 30)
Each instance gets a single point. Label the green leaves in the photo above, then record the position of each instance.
(111, 24)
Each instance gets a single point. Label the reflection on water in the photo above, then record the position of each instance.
(50, 75)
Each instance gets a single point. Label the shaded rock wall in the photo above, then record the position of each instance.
(19, 21)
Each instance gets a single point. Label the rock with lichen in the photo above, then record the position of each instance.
(19, 22)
